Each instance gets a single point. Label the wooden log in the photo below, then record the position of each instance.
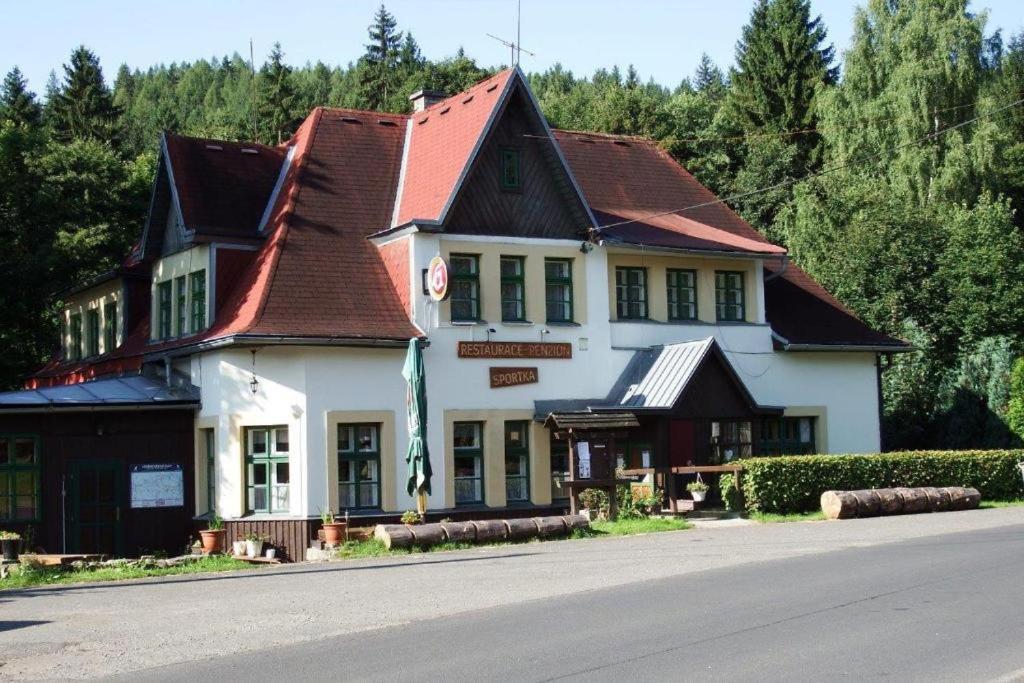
(868, 503)
(961, 498)
(839, 505)
(938, 499)
(891, 501)
(394, 535)
(490, 531)
(459, 532)
(551, 526)
(427, 535)
(521, 529)
(576, 522)
(914, 500)
(903, 500)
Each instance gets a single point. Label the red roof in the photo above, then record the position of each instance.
(441, 140)
(223, 187)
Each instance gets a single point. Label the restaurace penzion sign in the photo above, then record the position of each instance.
(492, 349)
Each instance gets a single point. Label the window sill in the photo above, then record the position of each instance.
(562, 323)
(517, 323)
(466, 323)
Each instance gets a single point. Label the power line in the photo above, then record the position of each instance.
(824, 171)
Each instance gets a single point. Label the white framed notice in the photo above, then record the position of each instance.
(645, 456)
(157, 485)
(583, 458)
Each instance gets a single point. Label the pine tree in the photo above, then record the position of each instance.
(708, 78)
(277, 98)
(379, 76)
(17, 103)
(84, 107)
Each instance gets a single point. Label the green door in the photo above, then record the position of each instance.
(96, 492)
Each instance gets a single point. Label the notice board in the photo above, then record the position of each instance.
(157, 485)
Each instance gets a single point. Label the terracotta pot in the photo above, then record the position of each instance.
(334, 532)
(213, 541)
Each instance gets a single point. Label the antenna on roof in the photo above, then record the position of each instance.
(516, 47)
(252, 69)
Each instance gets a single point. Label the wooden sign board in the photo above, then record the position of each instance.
(495, 349)
(511, 377)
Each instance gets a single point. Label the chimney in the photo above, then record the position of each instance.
(421, 99)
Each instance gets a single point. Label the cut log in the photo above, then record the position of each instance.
(891, 501)
(576, 522)
(427, 535)
(914, 500)
(839, 504)
(521, 529)
(490, 531)
(394, 535)
(459, 532)
(551, 526)
(868, 503)
(938, 499)
(961, 498)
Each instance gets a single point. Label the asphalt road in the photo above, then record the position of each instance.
(943, 607)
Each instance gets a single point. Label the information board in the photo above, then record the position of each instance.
(157, 485)
(583, 456)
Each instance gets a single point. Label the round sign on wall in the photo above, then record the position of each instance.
(437, 278)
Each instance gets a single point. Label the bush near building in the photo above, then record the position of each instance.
(792, 484)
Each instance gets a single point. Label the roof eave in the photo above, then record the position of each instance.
(605, 242)
(843, 346)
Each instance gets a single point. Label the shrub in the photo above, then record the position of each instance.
(795, 483)
(411, 517)
(594, 499)
(638, 501)
(1015, 408)
(732, 497)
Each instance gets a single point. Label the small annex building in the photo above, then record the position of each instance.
(245, 358)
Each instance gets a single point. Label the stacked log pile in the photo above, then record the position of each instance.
(486, 531)
(897, 501)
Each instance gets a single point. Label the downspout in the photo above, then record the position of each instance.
(784, 261)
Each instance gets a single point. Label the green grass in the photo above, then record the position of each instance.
(987, 504)
(772, 517)
(373, 547)
(629, 527)
(27, 577)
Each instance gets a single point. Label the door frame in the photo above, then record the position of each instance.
(74, 470)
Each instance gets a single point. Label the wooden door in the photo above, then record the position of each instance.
(96, 495)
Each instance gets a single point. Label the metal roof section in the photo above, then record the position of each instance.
(127, 391)
(656, 377)
(588, 421)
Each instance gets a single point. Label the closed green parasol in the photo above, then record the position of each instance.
(418, 457)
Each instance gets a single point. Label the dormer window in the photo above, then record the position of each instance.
(511, 179)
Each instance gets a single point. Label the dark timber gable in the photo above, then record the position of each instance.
(545, 205)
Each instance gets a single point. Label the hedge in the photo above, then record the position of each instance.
(795, 483)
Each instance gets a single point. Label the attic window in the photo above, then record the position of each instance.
(423, 120)
(349, 119)
(468, 100)
(217, 148)
(492, 87)
(385, 122)
(445, 110)
(511, 177)
(249, 150)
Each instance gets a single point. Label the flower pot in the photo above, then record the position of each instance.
(271, 553)
(213, 541)
(334, 532)
(253, 548)
(11, 547)
(588, 513)
(698, 496)
(238, 548)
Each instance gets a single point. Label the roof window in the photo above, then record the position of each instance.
(445, 110)
(491, 89)
(468, 100)
(620, 142)
(216, 148)
(350, 119)
(249, 150)
(385, 122)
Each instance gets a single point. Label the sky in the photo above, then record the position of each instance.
(662, 38)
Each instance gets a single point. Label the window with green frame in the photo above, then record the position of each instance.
(181, 306)
(513, 289)
(630, 293)
(110, 327)
(517, 461)
(267, 472)
(75, 347)
(469, 463)
(558, 289)
(465, 286)
(197, 285)
(358, 466)
(731, 439)
(511, 163)
(210, 455)
(729, 296)
(559, 467)
(19, 478)
(682, 294)
(787, 436)
(164, 311)
(92, 332)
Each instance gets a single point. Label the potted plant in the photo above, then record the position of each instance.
(197, 547)
(213, 536)
(410, 517)
(333, 530)
(253, 544)
(594, 502)
(11, 542)
(238, 547)
(698, 489)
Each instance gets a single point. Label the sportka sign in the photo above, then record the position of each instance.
(510, 377)
(514, 350)
(437, 279)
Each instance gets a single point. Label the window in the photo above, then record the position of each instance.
(267, 474)
(358, 466)
(181, 300)
(682, 294)
(631, 293)
(513, 289)
(92, 332)
(465, 283)
(163, 298)
(517, 461)
(19, 478)
(559, 467)
(510, 169)
(75, 350)
(730, 440)
(197, 283)
(787, 436)
(110, 327)
(729, 295)
(469, 463)
(210, 446)
(558, 286)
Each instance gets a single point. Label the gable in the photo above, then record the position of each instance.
(544, 205)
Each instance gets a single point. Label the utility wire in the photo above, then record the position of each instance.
(792, 181)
